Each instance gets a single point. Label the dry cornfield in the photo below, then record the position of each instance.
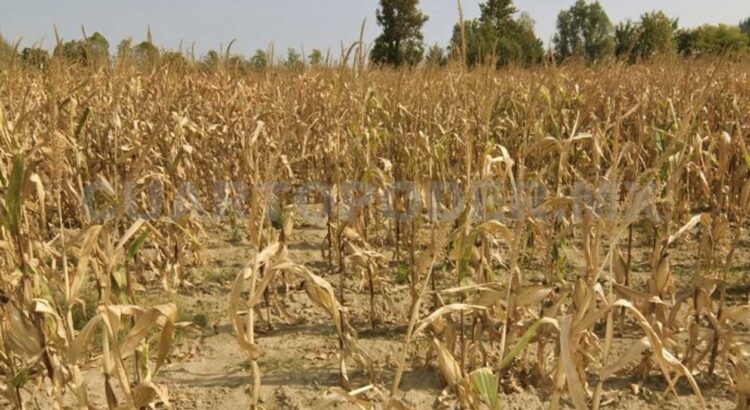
(556, 237)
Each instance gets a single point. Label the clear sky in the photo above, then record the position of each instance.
(319, 24)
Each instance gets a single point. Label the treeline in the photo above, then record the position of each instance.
(95, 50)
(501, 35)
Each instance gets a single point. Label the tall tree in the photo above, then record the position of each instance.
(435, 56)
(401, 41)
(97, 46)
(480, 44)
(627, 36)
(710, 39)
(146, 53)
(653, 34)
(212, 60)
(584, 30)
(657, 34)
(531, 46)
(316, 58)
(93, 49)
(175, 59)
(498, 13)
(124, 49)
(498, 35)
(293, 59)
(35, 57)
(236, 63)
(259, 60)
(745, 26)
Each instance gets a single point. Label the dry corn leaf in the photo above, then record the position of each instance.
(447, 364)
(568, 348)
(445, 310)
(531, 295)
(692, 223)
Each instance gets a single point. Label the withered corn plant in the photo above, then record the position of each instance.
(556, 226)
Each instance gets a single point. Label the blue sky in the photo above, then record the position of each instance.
(293, 23)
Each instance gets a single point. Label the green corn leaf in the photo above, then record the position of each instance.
(137, 244)
(525, 340)
(20, 379)
(485, 384)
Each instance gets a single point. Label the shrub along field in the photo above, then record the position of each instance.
(568, 236)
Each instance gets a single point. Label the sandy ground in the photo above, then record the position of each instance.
(207, 369)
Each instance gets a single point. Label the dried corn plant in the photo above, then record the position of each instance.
(560, 226)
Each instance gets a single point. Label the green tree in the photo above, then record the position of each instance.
(745, 26)
(401, 41)
(143, 54)
(497, 13)
(237, 63)
(316, 58)
(627, 36)
(146, 53)
(174, 59)
(498, 35)
(480, 45)
(71, 50)
(584, 30)
(35, 57)
(125, 49)
(92, 50)
(259, 61)
(710, 39)
(656, 34)
(293, 59)
(211, 60)
(532, 47)
(435, 56)
(97, 46)
(653, 34)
